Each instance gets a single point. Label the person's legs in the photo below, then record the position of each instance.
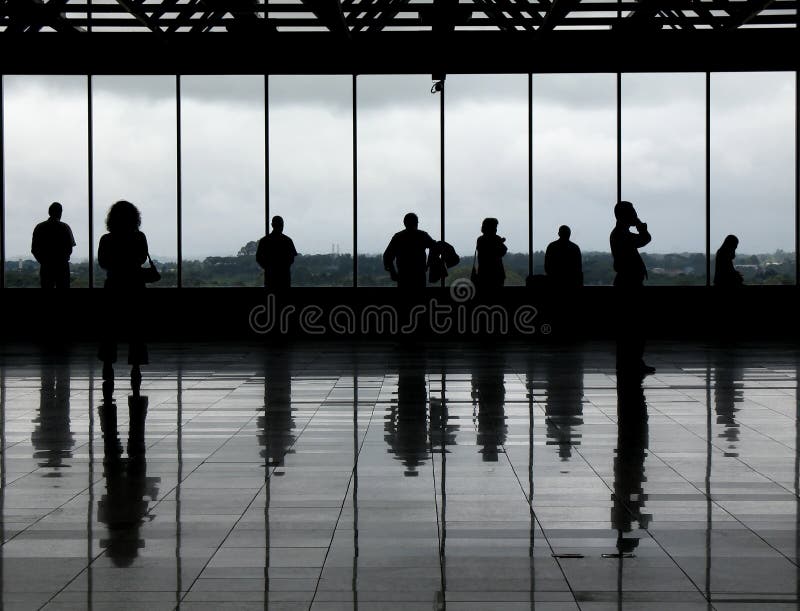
(61, 276)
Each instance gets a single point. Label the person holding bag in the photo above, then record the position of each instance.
(122, 252)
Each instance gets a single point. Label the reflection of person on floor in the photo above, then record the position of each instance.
(52, 438)
(406, 428)
(728, 391)
(489, 391)
(276, 254)
(630, 276)
(563, 404)
(52, 246)
(125, 505)
(276, 425)
(629, 470)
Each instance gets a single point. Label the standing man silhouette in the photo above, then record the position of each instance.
(562, 261)
(407, 250)
(51, 246)
(631, 274)
(275, 254)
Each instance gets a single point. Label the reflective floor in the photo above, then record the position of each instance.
(370, 476)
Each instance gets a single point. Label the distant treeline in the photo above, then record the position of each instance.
(337, 270)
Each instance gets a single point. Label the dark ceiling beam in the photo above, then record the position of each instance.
(745, 12)
(33, 15)
(184, 18)
(491, 9)
(389, 11)
(703, 11)
(497, 8)
(559, 9)
(244, 14)
(329, 13)
(137, 10)
(391, 52)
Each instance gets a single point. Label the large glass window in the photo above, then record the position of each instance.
(574, 166)
(398, 165)
(486, 170)
(45, 125)
(222, 154)
(663, 171)
(311, 173)
(135, 158)
(753, 172)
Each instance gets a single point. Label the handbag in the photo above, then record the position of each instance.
(473, 276)
(150, 274)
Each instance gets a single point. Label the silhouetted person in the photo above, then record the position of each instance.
(629, 471)
(405, 257)
(275, 254)
(125, 505)
(562, 261)
(51, 246)
(725, 274)
(52, 438)
(630, 277)
(122, 252)
(489, 391)
(490, 249)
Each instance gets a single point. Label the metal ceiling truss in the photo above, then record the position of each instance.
(349, 17)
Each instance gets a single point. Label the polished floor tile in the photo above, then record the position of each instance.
(370, 475)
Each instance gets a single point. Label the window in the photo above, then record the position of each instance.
(574, 166)
(46, 160)
(753, 173)
(486, 171)
(311, 173)
(222, 153)
(135, 158)
(398, 165)
(663, 171)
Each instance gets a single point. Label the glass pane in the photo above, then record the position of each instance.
(398, 165)
(311, 174)
(486, 172)
(45, 123)
(752, 172)
(135, 158)
(222, 139)
(574, 166)
(663, 171)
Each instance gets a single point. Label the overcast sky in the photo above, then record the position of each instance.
(486, 170)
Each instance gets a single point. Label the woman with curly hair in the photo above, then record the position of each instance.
(122, 252)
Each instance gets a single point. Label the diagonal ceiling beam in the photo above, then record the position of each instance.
(137, 9)
(244, 14)
(33, 15)
(558, 10)
(744, 12)
(491, 8)
(330, 14)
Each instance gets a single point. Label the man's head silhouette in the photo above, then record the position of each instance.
(489, 225)
(564, 232)
(55, 210)
(277, 224)
(625, 213)
(411, 221)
